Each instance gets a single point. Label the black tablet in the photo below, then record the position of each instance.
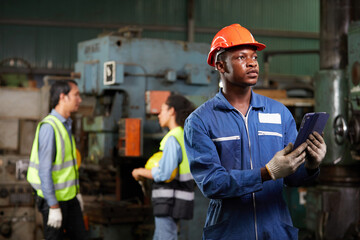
(312, 122)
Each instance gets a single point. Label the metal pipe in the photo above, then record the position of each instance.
(191, 22)
(256, 32)
(268, 54)
(334, 24)
(126, 74)
(355, 11)
(34, 71)
(56, 78)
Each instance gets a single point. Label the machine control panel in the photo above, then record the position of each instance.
(14, 189)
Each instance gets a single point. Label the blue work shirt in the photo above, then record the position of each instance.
(226, 151)
(171, 158)
(47, 151)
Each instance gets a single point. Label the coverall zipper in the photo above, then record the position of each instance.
(251, 165)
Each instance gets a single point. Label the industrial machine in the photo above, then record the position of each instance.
(347, 127)
(124, 80)
(332, 206)
(20, 111)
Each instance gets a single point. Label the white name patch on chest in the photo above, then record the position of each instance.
(274, 118)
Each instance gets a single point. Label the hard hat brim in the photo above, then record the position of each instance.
(211, 57)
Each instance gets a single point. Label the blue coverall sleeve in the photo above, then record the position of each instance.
(211, 177)
(170, 159)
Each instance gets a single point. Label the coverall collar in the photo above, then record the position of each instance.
(223, 103)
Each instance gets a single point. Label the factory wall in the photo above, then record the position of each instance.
(46, 33)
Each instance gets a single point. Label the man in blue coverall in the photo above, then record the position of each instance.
(240, 151)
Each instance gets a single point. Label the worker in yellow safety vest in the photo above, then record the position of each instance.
(53, 170)
(173, 187)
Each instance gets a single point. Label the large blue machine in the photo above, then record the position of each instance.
(126, 78)
(121, 71)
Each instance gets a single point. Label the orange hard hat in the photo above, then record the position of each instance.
(231, 36)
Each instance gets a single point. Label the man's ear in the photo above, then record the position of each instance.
(220, 66)
(62, 96)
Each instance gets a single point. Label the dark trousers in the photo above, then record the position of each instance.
(72, 226)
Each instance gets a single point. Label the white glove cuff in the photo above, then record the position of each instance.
(272, 169)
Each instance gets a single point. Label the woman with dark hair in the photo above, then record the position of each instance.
(173, 186)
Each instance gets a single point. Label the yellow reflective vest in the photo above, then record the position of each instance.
(64, 169)
(175, 198)
(178, 133)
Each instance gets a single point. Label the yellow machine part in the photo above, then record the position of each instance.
(153, 161)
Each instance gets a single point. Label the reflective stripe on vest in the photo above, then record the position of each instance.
(64, 168)
(170, 193)
(58, 186)
(54, 167)
(175, 198)
(185, 177)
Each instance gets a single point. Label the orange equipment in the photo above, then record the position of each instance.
(231, 36)
(129, 142)
(78, 158)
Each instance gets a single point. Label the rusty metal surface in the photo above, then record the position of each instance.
(334, 24)
(333, 213)
(9, 132)
(17, 212)
(344, 175)
(154, 100)
(330, 92)
(20, 103)
(18, 223)
(114, 212)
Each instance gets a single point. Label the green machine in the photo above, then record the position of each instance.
(333, 204)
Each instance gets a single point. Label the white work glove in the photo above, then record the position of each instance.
(286, 162)
(81, 202)
(316, 150)
(55, 218)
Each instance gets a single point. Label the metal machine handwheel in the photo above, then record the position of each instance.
(340, 129)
